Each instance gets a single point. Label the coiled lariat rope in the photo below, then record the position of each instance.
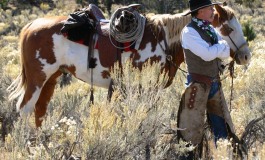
(131, 36)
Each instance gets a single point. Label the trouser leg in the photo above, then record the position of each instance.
(219, 115)
(218, 126)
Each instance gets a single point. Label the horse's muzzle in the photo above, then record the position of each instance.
(242, 57)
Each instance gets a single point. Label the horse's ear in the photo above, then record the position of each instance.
(225, 3)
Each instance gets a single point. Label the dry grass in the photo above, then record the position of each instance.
(136, 124)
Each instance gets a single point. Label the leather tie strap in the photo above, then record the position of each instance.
(192, 97)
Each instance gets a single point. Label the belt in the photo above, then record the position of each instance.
(203, 79)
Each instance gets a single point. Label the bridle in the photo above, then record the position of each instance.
(229, 30)
(231, 65)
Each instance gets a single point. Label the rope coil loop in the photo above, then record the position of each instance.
(133, 34)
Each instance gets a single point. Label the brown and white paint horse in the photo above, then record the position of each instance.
(44, 50)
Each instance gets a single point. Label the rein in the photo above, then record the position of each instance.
(231, 67)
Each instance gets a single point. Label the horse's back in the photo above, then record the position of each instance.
(45, 23)
(42, 27)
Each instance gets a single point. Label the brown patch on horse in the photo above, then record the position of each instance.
(153, 59)
(232, 53)
(105, 74)
(222, 14)
(135, 55)
(226, 30)
(216, 22)
(149, 37)
(71, 69)
(41, 37)
(176, 52)
(108, 54)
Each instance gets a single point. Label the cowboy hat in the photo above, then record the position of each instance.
(199, 4)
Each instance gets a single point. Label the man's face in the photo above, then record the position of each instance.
(206, 13)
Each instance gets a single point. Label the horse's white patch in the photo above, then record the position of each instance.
(73, 54)
(30, 105)
(172, 40)
(236, 35)
(146, 53)
(47, 68)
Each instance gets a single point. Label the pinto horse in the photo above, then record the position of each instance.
(45, 51)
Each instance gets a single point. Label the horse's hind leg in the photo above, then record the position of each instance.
(44, 98)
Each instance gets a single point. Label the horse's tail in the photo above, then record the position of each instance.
(18, 86)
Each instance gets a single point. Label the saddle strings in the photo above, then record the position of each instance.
(132, 36)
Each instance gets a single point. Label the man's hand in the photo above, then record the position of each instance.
(226, 51)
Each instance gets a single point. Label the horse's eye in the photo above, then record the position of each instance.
(231, 29)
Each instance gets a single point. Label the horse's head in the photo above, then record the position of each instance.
(125, 20)
(230, 29)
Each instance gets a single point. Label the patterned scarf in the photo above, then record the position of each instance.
(207, 27)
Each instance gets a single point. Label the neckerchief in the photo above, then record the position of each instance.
(207, 27)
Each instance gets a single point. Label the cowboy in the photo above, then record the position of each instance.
(203, 97)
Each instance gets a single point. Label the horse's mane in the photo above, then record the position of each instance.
(172, 25)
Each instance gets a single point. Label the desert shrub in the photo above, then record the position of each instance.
(250, 3)
(138, 123)
(127, 127)
(8, 114)
(130, 125)
(3, 4)
(248, 31)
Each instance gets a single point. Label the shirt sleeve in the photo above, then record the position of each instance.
(192, 40)
(218, 35)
